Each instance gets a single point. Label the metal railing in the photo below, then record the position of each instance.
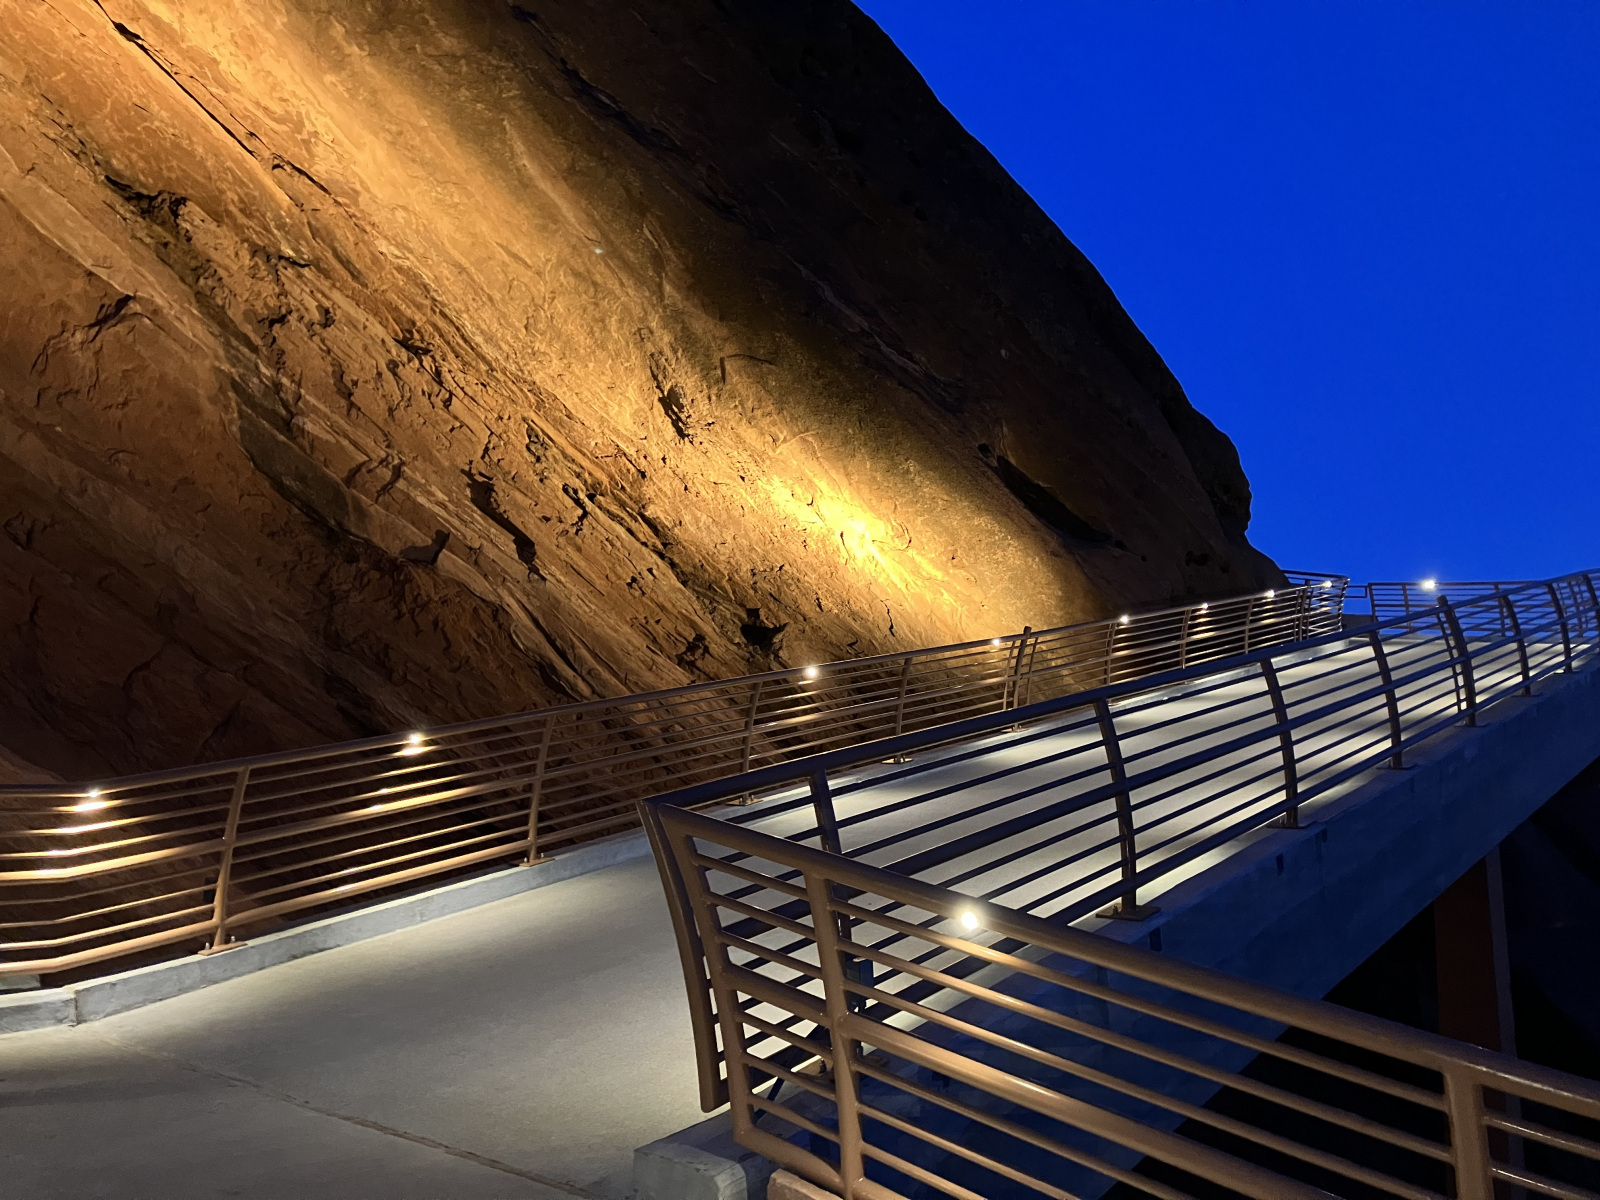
(173, 858)
(888, 1038)
(1064, 807)
(1394, 599)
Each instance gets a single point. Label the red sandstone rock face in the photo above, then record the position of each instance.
(374, 363)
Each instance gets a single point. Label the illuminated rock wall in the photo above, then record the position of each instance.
(368, 364)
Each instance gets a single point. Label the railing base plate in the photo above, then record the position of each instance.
(1121, 912)
(220, 949)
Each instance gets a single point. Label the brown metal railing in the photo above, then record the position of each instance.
(90, 873)
(887, 1037)
(1065, 807)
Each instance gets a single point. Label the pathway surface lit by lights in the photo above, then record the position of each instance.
(497, 1053)
(1054, 865)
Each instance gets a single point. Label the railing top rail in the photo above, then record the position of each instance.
(391, 741)
(1440, 585)
(1291, 574)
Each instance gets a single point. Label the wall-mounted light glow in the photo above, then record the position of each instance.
(414, 744)
(1429, 584)
(969, 920)
(811, 672)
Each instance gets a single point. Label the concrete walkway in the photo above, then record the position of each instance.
(522, 1049)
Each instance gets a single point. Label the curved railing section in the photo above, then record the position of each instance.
(90, 873)
(891, 1038)
(1074, 806)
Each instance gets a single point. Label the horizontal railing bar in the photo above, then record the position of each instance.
(1150, 1008)
(1132, 1045)
(1205, 1116)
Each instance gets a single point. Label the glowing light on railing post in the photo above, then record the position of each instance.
(415, 744)
(969, 920)
(811, 672)
(1429, 585)
(1123, 619)
(91, 802)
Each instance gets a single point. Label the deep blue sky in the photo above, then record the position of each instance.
(1364, 235)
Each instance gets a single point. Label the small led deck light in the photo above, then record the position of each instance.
(91, 802)
(811, 672)
(413, 744)
(969, 920)
(1429, 585)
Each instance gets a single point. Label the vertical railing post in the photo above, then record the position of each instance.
(1451, 624)
(1561, 616)
(1594, 608)
(1014, 684)
(536, 789)
(1391, 700)
(1111, 649)
(822, 806)
(1183, 637)
(900, 701)
(230, 839)
(1128, 908)
(1508, 616)
(900, 707)
(828, 838)
(1469, 1138)
(750, 723)
(1291, 777)
(1027, 675)
(747, 750)
(1249, 615)
(831, 929)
